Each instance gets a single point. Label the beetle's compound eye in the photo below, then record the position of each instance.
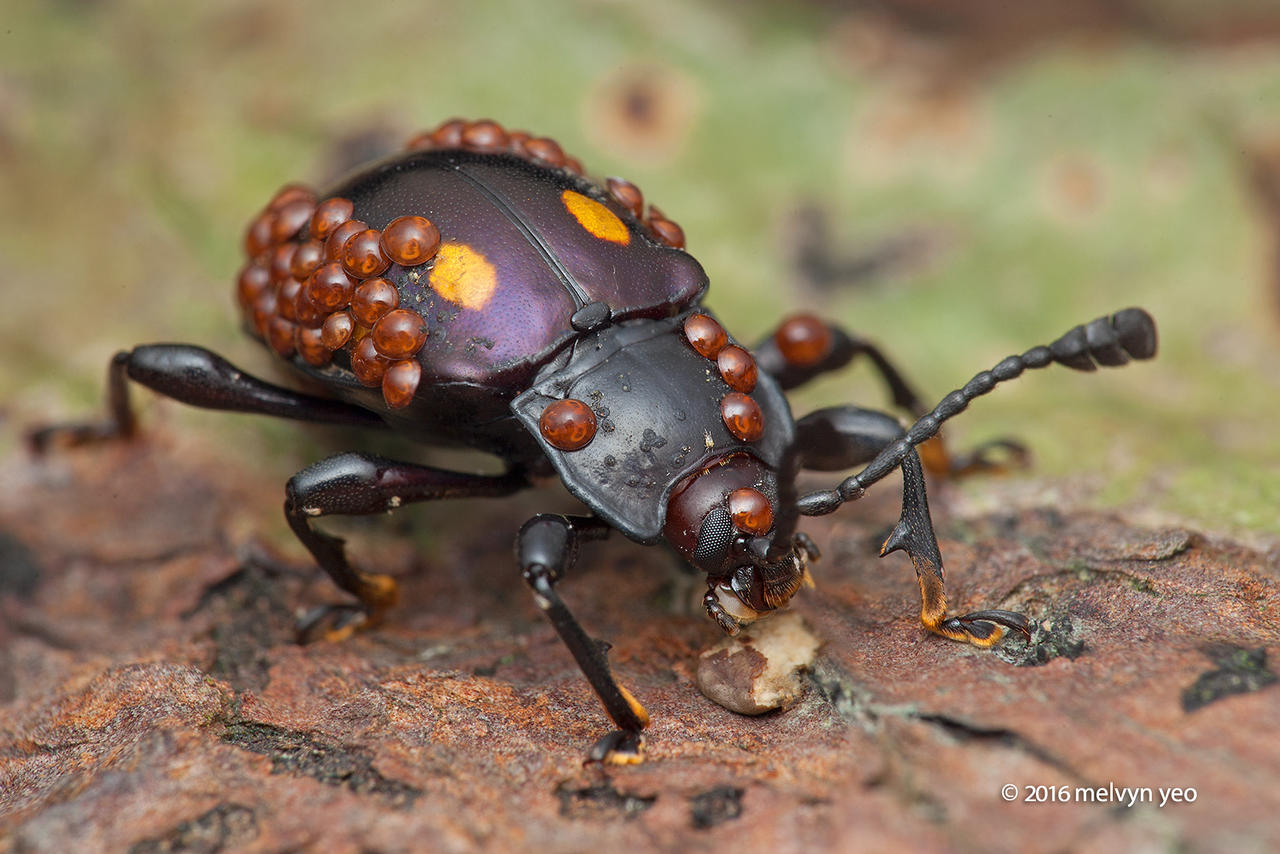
(714, 538)
(568, 424)
(702, 507)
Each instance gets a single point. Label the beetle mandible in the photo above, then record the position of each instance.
(478, 289)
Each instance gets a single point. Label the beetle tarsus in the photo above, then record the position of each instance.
(996, 456)
(335, 623)
(619, 747)
(1008, 619)
(120, 422)
(980, 628)
(45, 439)
(843, 436)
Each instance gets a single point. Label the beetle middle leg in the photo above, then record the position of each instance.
(546, 547)
(351, 484)
(804, 347)
(845, 436)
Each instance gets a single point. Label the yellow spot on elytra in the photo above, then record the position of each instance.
(596, 218)
(463, 276)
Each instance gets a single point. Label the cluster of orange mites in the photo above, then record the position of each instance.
(570, 424)
(486, 136)
(629, 196)
(741, 414)
(312, 286)
(313, 283)
(749, 509)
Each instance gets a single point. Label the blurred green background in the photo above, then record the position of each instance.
(1009, 169)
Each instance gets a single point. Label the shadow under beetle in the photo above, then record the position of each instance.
(477, 289)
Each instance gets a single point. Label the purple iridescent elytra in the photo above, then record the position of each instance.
(547, 266)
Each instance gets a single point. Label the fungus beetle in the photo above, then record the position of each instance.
(478, 289)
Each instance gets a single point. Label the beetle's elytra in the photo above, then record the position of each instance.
(478, 289)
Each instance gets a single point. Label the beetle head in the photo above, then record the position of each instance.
(725, 520)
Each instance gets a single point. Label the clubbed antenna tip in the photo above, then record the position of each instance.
(1107, 341)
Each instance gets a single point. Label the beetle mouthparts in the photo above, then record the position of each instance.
(730, 612)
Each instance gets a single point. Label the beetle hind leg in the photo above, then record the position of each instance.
(198, 377)
(377, 594)
(334, 622)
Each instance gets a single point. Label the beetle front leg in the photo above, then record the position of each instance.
(546, 547)
(914, 535)
(354, 484)
(846, 436)
(804, 347)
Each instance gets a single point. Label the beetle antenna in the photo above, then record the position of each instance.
(1108, 341)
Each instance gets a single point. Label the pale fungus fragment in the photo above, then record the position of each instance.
(761, 668)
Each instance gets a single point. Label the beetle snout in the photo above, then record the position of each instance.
(766, 585)
(759, 586)
(722, 519)
(756, 550)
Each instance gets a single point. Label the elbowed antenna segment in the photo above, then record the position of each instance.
(1107, 341)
